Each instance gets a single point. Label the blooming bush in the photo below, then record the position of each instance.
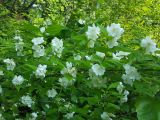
(81, 75)
(88, 69)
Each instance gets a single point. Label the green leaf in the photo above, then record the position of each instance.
(30, 28)
(92, 100)
(146, 88)
(54, 29)
(148, 109)
(113, 85)
(32, 67)
(80, 39)
(113, 106)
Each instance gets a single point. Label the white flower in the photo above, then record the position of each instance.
(130, 75)
(92, 34)
(96, 81)
(10, 64)
(91, 44)
(47, 22)
(1, 89)
(119, 55)
(19, 48)
(34, 116)
(105, 116)
(39, 50)
(69, 69)
(77, 57)
(57, 46)
(41, 71)
(81, 21)
(38, 40)
(115, 30)
(125, 97)
(158, 49)
(51, 93)
(27, 100)
(34, 5)
(64, 82)
(157, 55)
(18, 38)
(42, 29)
(98, 70)
(18, 80)
(1, 73)
(100, 54)
(149, 45)
(88, 57)
(69, 115)
(1, 117)
(126, 93)
(68, 105)
(112, 43)
(120, 87)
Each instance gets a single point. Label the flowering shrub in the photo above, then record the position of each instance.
(91, 73)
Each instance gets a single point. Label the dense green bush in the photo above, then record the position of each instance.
(93, 60)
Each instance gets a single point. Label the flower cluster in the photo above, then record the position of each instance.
(18, 38)
(105, 116)
(80, 21)
(1, 73)
(92, 35)
(100, 54)
(39, 49)
(124, 93)
(119, 55)
(10, 64)
(77, 57)
(120, 87)
(130, 75)
(34, 116)
(51, 93)
(66, 82)
(27, 100)
(19, 48)
(149, 45)
(41, 71)
(19, 45)
(69, 115)
(125, 96)
(98, 70)
(57, 46)
(114, 31)
(1, 117)
(17, 80)
(70, 70)
(42, 29)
